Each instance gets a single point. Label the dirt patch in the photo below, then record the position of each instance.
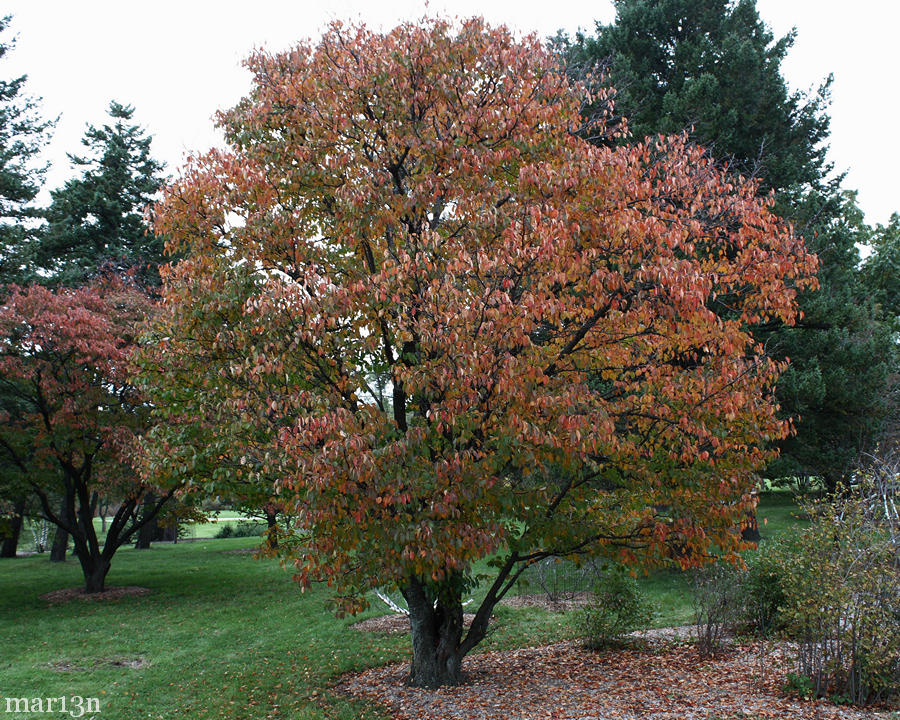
(567, 682)
(679, 633)
(396, 623)
(67, 666)
(542, 600)
(111, 593)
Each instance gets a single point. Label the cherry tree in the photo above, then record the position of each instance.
(468, 333)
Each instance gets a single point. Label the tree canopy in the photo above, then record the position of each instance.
(712, 68)
(69, 414)
(496, 338)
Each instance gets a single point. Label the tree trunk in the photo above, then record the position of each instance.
(149, 530)
(61, 537)
(11, 540)
(95, 570)
(60, 545)
(436, 637)
(272, 525)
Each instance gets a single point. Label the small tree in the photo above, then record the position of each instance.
(495, 338)
(64, 373)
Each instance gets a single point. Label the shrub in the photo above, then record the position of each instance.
(763, 592)
(241, 529)
(617, 608)
(842, 591)
(799, 685)
(719, 604)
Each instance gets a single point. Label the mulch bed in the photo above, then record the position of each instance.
(111, 593)
(542, 600)
(566, 682)
(395, 623)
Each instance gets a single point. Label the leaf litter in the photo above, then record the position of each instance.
(564, 681)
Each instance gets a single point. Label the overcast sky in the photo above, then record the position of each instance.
(179, 61)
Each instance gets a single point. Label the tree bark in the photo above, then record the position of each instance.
(436, 630)
(272, 527)
(60, 545)
(11, 540)
(149, 530)
(95, 571)
(61, 536)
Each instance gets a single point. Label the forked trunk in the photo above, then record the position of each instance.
(95, 570)
(436, 630)
(436, 624)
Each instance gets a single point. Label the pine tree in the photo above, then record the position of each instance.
(843, 355)
(713, 68)
(22, 135)
(97, 218)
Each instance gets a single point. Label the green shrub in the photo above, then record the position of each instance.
(763, 591)
(799, 685)
(241, 529)
(842, 593)
(616, 608)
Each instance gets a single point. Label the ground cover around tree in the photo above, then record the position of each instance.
(566, 682)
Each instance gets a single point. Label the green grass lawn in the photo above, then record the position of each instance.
(224, 635)
(777, 513)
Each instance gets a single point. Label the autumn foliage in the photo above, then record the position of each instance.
(464, 331)
(69, 415)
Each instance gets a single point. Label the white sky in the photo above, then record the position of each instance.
(178, 62)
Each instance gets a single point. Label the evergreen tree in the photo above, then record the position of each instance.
(97, 218)
(712, 68)
(843, 355)
(22, 135)
(882, 268)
